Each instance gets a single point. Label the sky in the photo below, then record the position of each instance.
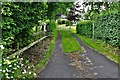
(80, 3)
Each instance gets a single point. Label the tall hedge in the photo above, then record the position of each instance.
(51, 25)
(18, 19)
(107, 28)
(84, 28)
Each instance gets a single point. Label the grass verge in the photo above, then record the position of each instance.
(103, 48)
(110, 52)
(45, 59)
(69, 44)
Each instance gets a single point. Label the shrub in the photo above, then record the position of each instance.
(61, 21)
(68, 23)
(52, 25)
(18, 19)
(84, 28)
(107, 28)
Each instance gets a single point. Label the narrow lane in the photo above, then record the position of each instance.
(102, 67)
(59, 64)
(58, 67)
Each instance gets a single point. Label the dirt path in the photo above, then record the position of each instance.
(59, 67)
(100, 65)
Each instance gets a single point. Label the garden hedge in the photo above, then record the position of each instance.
(84, 28)
(18, 19)
(52, 25)
(107, 28)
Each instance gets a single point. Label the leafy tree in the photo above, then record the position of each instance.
(57, 8)
(18, 20)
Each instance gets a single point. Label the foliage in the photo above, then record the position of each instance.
(108, 30)
(84, 28)
(69, 44)
(57, 8)
(68, 23)
(61, 21)
(18, 21)
(86, 15)
(115, 6)
(16, 68)
(52, 25)
(19, 67)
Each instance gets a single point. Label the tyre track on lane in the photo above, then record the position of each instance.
(102, 67)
